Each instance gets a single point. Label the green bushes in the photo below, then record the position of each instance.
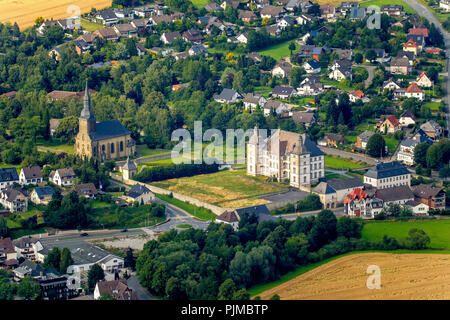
(174, 171)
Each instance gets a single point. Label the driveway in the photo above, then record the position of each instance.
(370, 70)
(142, 293)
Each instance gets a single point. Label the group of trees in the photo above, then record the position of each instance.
(436, 156)
(58, 259)
(311, 202)
(28, 288)
(172, 171)
(220, 263)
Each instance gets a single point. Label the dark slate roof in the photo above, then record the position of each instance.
(426, 191)
(137, 190)
(340, 184)
(313, 64)
(394, 193)
(45, 191)
(226, 94)
(324, 188)
(282, 90)
(261, 211)
(386, 170)
(108, 129)
(312, 148)
(32, 172)
(228, 216)
(8, 174)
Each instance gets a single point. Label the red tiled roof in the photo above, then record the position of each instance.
(419, 31)
(413, 88)
(411, 44)
(358, 93)
(356, 193)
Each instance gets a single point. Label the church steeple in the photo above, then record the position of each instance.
(87, 118)
(87, 113)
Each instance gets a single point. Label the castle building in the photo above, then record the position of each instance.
(285, 155)
(103, 140)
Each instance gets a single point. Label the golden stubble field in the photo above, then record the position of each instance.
(403, 276)
(25, 12)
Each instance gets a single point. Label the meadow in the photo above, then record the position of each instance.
(339, 163)
(25, 12)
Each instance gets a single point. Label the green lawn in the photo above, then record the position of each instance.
(90, 26)
(434, 106)
(147, 152)
(278, 51)
(381, 3)
(391, 143)
(201, 213)
(264, 91)
(437, 230)
(199, 3)
(55, 146)
(99, 204)
(338, 162)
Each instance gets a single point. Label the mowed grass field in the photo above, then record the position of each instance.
(437, 230)
(338, 163)
(403, 276)
(199, 3)
(278, 51)
(25, 12)
(381, 3)
(229, 188)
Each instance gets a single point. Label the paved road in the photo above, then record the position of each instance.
(370, 70)
(142, 293)
(427, 14)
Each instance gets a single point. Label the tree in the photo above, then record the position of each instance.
(29, 289)
(417, 239)
(226, 290)
(375, 146)
(420, 154)
(434, 156)
(4, 230)
(348, 227)
(66, 260)
(371, 55)
(241, 294)
(53, 259)
(175, 289)
(275, 297)
(129, 260)
(95, 275)
(323, 230)
(106, 296)
(291, 47)
(358, 58)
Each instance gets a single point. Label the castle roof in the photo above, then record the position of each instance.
(108, 129)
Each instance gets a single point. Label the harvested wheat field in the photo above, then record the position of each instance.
(403, 276)
(25, 12)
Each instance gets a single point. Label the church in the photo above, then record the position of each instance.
(103, 140)
(286, 156)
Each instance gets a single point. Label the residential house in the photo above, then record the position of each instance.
(30, 175)
(155, 20)
(247, 15)
(423, 81)
(334, 139)
(305, 118)
(107, 17)
(390, 84)
(140, 24)
(81, 46)
(406, 151)
(124, 13)
(282, 69)
(283, 92)
(328, 12)
(255, 57)
(400, 65)
(228, 96)
(388, 174)
(417, 38)
(419, 31)
(392, 9)
(252, 101)
(310, 86)
(408, 55)
(303, 19)
(212, 7)
(271, 12)
(274, 105)
(140, 193)
(312, 66)
(407, 118)
(286, 22)
(357, 95)
(285, 155)
(273, 30)
(192, 36)
(87, 190)
(89, 38)
(242, 38)
(433, 130)
(445, 5)
(26, 247)
(340, 70)
(8, 176)
(106, 34)
(197, 49)
(357, 13)
(333, 192)
(411, 46)
(13, 199)
(380, 55)
(7, 252)
(125, 30)
(62, 177)
(232, 3)
(390, 124)
(292, 5)
(433, 197)
(229, 217)
(417, 208)
(170, 37)
(400, 194)
(118, 289)
(141, 49)
(414, 91)
(343, 54)
(42, 195)
(362, 203)
(361, 140)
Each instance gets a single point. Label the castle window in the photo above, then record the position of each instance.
(112, 147)
(121, 146)
(103, 147)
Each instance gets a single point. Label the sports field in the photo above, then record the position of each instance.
(25, 12)
(402, 276)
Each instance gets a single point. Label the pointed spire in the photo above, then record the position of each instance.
(87, 113)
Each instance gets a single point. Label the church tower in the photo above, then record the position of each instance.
(87, 119)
